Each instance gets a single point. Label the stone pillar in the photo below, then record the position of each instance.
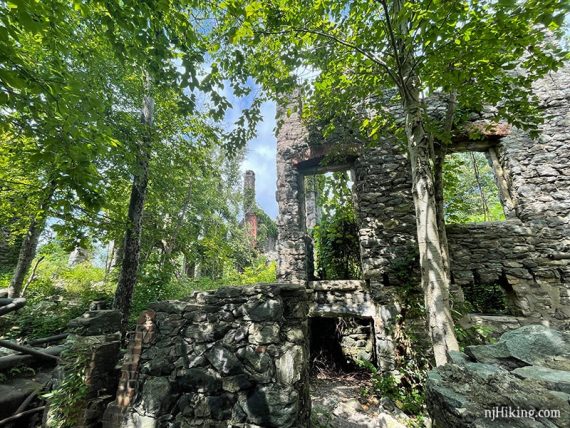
(77, 256)
(313, 211)
(292, 240)
(251, 226)
(249, 191)
(249, 206)
(118, 412)
(94, 342)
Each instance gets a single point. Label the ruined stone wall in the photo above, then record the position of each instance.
(538, 170)
(385, 211)
(530, 253)
(292, 241)
(526, 259)
(230, 357)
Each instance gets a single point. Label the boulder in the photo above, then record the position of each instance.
(505, 384)
(94, 323)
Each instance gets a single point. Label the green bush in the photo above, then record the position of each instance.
(153, 288)
(337, 249)
(57, 294)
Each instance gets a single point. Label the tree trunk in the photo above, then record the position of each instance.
(132, 242)
(439, 206)
(435, 279)
(30, 244)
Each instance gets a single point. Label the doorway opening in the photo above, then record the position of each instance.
(341, 345)
(331, 223)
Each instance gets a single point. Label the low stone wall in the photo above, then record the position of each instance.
(340, 298)
(531, 260)
(357, 339)
(231, 357)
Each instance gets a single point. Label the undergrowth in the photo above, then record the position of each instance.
(58, 293)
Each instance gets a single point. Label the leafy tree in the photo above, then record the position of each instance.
(470, 192)
(373, 54)
(78, 114)
(336, 234)
(52, 118)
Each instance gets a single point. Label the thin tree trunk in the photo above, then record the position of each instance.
(439, 206)
(32, 275)
(484, 204)
(439, 159)
(132, 242)
(434, 275)
(30, 244)
(435, 279)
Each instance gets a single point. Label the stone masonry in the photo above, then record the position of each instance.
(234, 357)
(528, 255)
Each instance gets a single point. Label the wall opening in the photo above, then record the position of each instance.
(340, 345)
(331, 224)
(490, 298)
(471, 191)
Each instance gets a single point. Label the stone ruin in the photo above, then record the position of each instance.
(240, 356)
(528, 255)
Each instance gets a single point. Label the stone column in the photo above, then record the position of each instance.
(94, 344)
(292, 241)
(250, 220)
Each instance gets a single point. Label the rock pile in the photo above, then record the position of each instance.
(521, 381)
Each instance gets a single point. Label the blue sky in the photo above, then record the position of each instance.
(260, 157)
(261, 152)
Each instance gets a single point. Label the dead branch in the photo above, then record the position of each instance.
(32, 276)
(27, 350)
(49, 339)
(8, 305)
(14, 360)
(21, 414)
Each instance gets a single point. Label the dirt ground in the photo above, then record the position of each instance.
(342, 401)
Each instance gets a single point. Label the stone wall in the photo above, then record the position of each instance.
(385, 211)
(538, 171)
(529, 254)
(231, 357)
(529, 260)
(292, 241)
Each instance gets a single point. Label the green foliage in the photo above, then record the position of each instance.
(405, 385)
(336, 235)
(473, 335)
(266, 227)
(58, 294)
(68, 398)
(470, 191)
(153, 289)
(486, 299)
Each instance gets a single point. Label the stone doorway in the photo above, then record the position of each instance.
(341, 344)
(340, 384)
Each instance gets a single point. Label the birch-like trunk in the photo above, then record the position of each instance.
(132, 242)
(30, 244)
(440, 209)
(434, 275)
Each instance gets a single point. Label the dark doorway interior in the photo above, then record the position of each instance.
(333, 347)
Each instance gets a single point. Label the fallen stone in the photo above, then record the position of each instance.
(558, 380)
(94, 323)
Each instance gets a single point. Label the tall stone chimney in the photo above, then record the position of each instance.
(249, 205)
